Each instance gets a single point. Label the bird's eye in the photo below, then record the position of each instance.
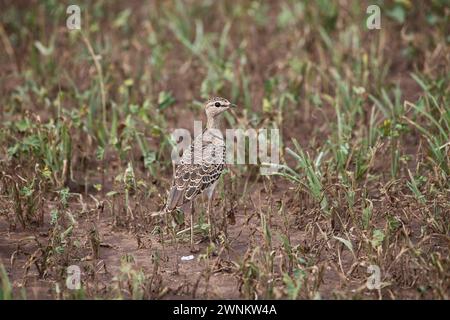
(217, 104)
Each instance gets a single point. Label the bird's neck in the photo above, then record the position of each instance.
(213, 122)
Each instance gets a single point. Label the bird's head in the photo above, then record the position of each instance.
(217, 105)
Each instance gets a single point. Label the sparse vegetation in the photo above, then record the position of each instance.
(85, 149)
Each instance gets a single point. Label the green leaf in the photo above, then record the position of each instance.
(346, 242)
(267, 106)
(393, 223)
(5, 285)
(128, 82)
(32, 141)
(122, 18)
(366, 215)
(377, 238)
(45, 51)
(54, 216)
(14, 150)
(112, 193)
(294, 284)
(100, 153)
(23, 125)
(165, 100)
(398, 13)
(149, 158)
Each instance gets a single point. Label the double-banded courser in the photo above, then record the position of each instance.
(200, 166)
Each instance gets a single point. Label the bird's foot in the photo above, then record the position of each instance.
(194, 248)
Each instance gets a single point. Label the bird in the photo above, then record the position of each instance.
(200, 166)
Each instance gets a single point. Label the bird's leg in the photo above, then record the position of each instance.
(192, 226)
(210, 194)
(208, 212)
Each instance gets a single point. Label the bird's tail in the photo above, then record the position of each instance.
(173, 198)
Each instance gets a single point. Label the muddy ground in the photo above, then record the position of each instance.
(68, 196)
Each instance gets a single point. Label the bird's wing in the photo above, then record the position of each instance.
(190, 181)
(194, 174)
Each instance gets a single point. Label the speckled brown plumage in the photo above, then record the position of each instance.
(200, 166)
(198, 171)
(192, 178)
